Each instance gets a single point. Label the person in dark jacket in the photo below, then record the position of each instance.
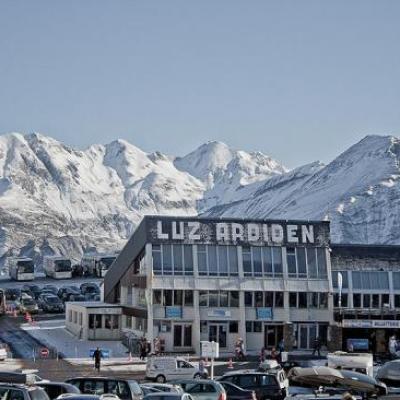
(317, 346)
(97, 356)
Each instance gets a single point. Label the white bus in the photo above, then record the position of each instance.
(97, 264)
(21, 268)
(57, 267)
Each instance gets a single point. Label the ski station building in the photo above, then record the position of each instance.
(189, 279)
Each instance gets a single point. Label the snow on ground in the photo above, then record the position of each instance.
(53, 334)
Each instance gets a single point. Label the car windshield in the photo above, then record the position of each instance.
(63, 265)
(25, 266)
(52, 299)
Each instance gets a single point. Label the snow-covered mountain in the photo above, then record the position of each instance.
(358, 192)
(55, 199)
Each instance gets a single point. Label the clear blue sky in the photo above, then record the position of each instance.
(299, 80)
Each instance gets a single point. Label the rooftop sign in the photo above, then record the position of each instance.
(229, 232)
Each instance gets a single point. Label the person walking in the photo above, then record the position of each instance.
(143, 348)
(317, 346)
(97, 356)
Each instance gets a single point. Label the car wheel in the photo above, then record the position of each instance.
(160, 379)
(197, 376)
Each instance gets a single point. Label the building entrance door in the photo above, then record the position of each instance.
(217, 333)
(306, 335)
(272, 335)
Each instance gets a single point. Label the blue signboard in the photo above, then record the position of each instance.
(104, 352)
(357, 344)
(264, 313)
(173, 312)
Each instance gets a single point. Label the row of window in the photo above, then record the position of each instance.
(367, 280)
(305, 262)
(99, 321)
(308, 300)
(212, 260)
(366, 300)
(263, 299)
(168, 297)
(262, 261)
(215, 298)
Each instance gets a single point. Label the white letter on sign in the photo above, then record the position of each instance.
(175, 234)
(237, 232)
(307, 234)
(276, 233)
(222, 232)
(292, 234)
(253, 232)
(160, 234)
(194, 228)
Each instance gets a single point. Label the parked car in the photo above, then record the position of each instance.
(28, 306)
(125, 389)
(168, 396)
(389, 373)
(17, 391)
(202, 389)
(73, 396)
(13, 293)
(3, 352)
(50, 303)
(68, 291)
(234, 392)
(89, 288)
(265, 385)
(92, 297)
(76, 297)
(55, 389)
(165, 387)
(163, 369)
(34, 289)
(51, 288)
(147, 389)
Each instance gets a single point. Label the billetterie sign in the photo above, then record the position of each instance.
(229, 232)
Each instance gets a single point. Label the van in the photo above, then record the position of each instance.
(163, 369)
(357, 362)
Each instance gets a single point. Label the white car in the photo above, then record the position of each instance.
(3, 352)
(163, 369)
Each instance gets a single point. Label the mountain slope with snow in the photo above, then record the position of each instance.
(55, 199)
(358, 192)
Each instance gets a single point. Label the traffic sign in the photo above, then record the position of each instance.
(44, 352)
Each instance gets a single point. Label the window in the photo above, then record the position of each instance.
(223, 299)
(203, 298)
(157, 297)
(356, 300)
(257, 326)
(188, 298)
(385, 300)
(370, 280)
(366, 301)
(344, 300)
(313, 300)
(15, 395)
(107, 321)
(217, 260)
(301, 262)
(293, 299)
(233, 327)
(268, 299)
(168, 298)
(257, 264)
(91, 321)
(302, 299)
(177, 335)
(291, 261)
(249, 326)
(213, 298)
(248, 299)
(174, 259)
(312, 263)
(323, 300)
(375, 301)
(397, 300)
(277, 261)
(396, 280)
(321, 258)
(234, 299)
(258, 299)
(279, 299)
(246, 255)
